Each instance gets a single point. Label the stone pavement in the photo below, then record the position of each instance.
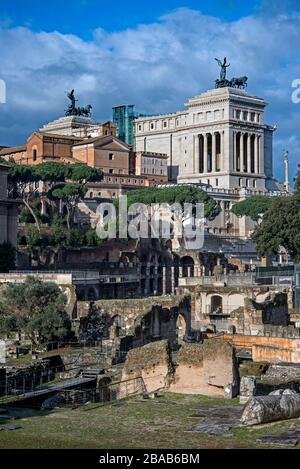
(218, 420)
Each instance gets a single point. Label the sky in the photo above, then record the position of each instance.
(154, 54)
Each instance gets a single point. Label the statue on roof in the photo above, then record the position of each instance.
(223, 68)
(77, 111)
(222, 82)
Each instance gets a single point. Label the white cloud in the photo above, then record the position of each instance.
(156, 66)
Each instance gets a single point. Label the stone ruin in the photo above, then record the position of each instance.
(274, 407)
(209, 369)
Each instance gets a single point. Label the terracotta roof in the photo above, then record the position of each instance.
(49, 134)
(10, 150)
(104, 140)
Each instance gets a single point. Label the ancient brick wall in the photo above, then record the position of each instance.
(209, 369)
(269, 349)
(152, 363)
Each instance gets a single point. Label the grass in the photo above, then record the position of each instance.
(131, 423)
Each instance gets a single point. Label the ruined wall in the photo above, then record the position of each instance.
(133, 311)
(152, 363)
(209, 369)
(267, 349)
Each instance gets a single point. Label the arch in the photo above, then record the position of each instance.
(216, 304)
(181, 327)
(188, 266)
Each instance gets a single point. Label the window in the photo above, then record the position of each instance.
(245, 115)
(241, 182)
(238, 114)
(140, 128)
(99, 194)
(111, 157)
(252, 116)
(152, 126)
(254, 183)
(111, 171)
(247, 183)
(208, 182)
(165, 124)
(34, 155)
(217, 182)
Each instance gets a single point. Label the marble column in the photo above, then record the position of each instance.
(261, 155)
(222, 150)
(155, 281)
(234, 155)
(164, 280)
(214, 152)
(256, 155)
(172, 280)
(242, 152)
(249, 153)
(205, 153)
(196, 155)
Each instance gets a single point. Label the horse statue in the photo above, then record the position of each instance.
(240, 82)
(222, 83)
(84, 111)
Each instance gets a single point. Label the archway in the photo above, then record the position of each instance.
(181, 327)
(188, 266)
(216, 304)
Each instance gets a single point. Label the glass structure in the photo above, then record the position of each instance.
(123, 118)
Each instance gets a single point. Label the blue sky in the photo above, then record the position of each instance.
(83, 16)
(155, 54)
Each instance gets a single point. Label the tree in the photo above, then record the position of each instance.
(22, 184)
(36, 308)
(254, 207)
(70, 194)
(175, 194)
(7, 257)
(82, 173)
(280, 227)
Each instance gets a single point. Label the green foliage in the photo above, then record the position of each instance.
(254, 207)
(75, 238)
(69, 192)
(58, 231)
(91, 238)
(32, 236)
(297, 182)
(51, 172)
(280, 227)
(36, 308)
(176, 194)
(27, 217)
(82, 173)
(7, 257)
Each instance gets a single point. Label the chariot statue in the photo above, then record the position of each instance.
(235, 82)
(72, 110)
